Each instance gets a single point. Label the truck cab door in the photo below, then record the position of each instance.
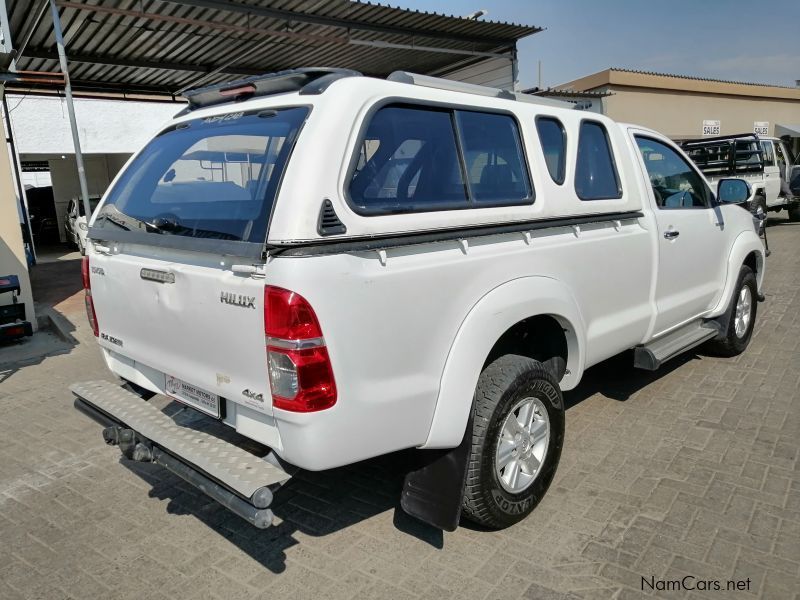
(691, 237)
(783, 158)
(772, 176)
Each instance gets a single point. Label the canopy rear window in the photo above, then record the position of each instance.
(215, 177)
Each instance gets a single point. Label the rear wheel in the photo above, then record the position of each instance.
(741, 316)
(794, 211)
(518, 432)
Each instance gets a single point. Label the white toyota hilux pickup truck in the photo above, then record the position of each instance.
(339, 267)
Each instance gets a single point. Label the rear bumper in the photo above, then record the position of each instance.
(239, 480)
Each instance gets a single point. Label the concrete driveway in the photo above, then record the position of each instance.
(688, 474)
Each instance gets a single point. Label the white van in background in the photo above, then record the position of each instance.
(766, 163)
(76, 224)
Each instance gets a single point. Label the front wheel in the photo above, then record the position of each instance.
(741, 316)
(517, 435)
(759, 202)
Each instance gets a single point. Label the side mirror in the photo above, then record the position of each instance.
(733, 191)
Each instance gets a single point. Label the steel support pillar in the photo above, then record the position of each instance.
(76, 142)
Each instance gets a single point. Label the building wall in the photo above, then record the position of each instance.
(492, 72)
(680, 114)
(41, 124)
(12, 252)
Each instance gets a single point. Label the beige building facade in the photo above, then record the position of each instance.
(687, 107)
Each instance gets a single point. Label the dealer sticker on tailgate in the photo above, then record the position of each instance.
(193, 396)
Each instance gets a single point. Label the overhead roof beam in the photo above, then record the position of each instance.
(132, 89)
(142, 64)
(349, 24)
(19, 52)
(92, 92)
(150, 16)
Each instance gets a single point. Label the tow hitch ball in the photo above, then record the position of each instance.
(138, 450)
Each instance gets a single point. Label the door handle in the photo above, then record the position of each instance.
(671, 235)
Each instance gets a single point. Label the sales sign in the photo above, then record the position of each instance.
(711, 127)
(761, 127)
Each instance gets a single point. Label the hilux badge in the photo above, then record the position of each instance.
(237, 299)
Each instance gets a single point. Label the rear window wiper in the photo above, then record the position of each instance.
(109, 219)
(171, 225)
(204, 233)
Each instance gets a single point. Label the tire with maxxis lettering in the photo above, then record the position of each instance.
(517, 435)
(741, 317)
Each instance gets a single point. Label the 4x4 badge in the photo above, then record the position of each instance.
(237, 299)
(253, 395)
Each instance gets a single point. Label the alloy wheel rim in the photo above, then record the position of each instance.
(522, 445)
(744, 311)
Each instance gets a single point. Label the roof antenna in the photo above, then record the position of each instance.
(476, 15)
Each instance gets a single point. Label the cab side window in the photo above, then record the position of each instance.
(769, 154)
(596, 175)
(779, 155)
(675, 183)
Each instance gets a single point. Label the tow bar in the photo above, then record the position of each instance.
(240, 481)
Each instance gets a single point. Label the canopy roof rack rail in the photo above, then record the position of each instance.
(721, 138)
(310, 81)
(729, 154)
(471, 88)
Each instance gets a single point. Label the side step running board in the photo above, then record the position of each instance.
(652, 355)
(237, 479)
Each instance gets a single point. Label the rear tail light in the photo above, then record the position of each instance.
(300, 371)
(87, 286)
(15, 331)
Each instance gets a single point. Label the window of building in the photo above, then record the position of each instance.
(553, 139)
(596, 175)
(675, 183)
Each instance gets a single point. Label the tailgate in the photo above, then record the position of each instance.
(185, 315)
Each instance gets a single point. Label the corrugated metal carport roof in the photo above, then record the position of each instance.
(164, 46)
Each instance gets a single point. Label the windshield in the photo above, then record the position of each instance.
(213, 178)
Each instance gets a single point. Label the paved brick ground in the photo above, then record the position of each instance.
(692, 471)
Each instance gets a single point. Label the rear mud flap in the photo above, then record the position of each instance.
(434, 493)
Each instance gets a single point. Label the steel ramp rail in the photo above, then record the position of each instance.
(234, 477)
